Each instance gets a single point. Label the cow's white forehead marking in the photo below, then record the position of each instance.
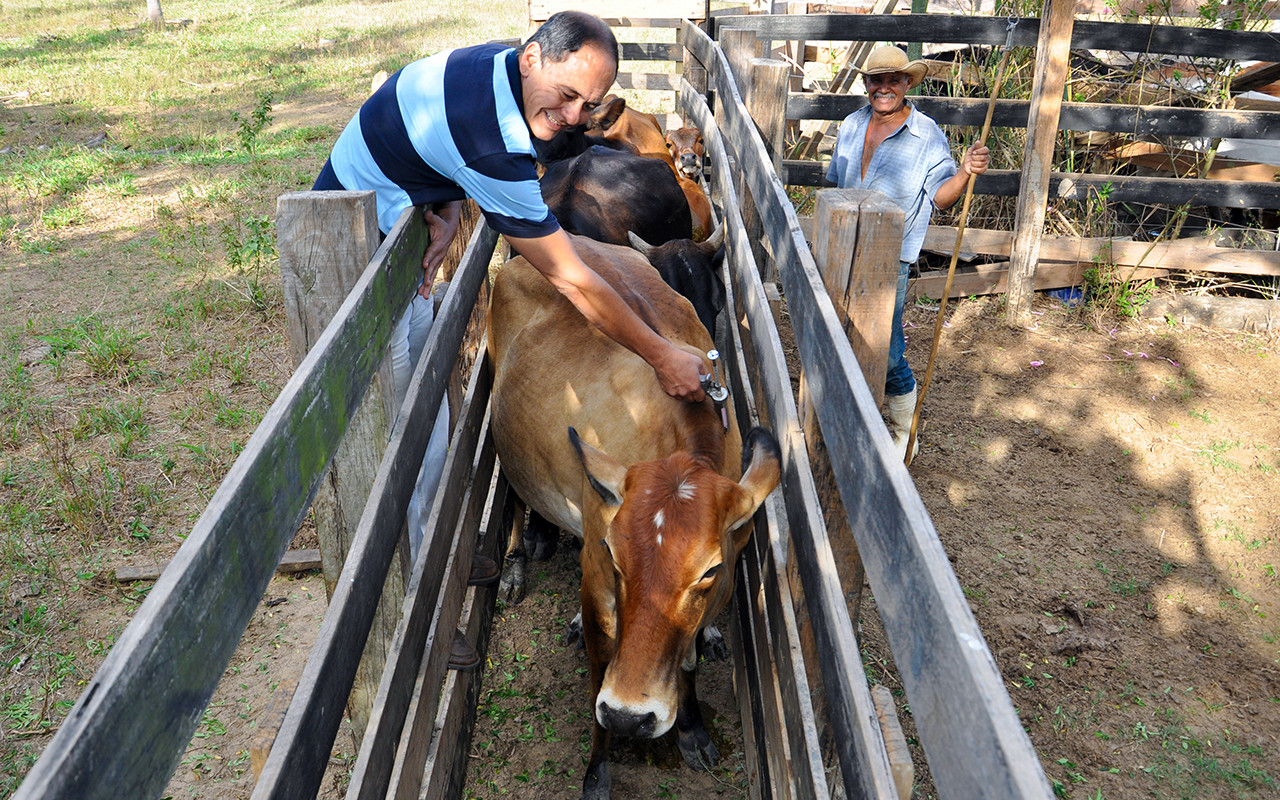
(659, 540)
(659, 519)
(685, 490)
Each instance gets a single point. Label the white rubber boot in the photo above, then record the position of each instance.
(902, 407)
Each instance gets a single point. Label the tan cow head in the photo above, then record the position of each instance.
(674, 529)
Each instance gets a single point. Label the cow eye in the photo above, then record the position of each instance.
(711, 573)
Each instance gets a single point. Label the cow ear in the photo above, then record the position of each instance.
(605, 474)
(607, 113)
(762, 469)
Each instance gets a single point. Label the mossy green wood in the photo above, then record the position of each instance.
(132, 724)
(301, 751)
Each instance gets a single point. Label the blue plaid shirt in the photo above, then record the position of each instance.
(907, 167)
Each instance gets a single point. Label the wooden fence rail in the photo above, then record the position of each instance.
(971, 734)
(132, 723)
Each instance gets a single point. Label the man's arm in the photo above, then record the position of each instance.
(679, 371)
(974, 162)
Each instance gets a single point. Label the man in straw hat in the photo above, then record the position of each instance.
(892, 148)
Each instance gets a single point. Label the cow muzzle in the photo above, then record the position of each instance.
(647, 720)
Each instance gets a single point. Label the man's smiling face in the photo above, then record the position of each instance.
(561, 94)
(887, 91)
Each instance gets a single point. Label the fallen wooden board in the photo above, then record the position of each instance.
(1237, 313)
(994, 279)
(293, 561)
(1177, 255)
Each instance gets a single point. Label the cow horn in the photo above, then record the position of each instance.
(639, 244)
(717, 236)
(762, 469)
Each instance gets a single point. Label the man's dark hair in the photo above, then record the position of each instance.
(567, 32)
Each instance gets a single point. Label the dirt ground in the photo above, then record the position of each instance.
(1106, 493)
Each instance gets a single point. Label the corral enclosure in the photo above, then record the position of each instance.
(792, 295)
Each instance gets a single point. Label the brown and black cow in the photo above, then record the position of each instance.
(616, 126)
(653, 487)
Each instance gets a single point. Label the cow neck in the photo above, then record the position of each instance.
(704, 435)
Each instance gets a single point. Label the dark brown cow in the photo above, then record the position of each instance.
(687, 151)
(649, 484)
(616, 126)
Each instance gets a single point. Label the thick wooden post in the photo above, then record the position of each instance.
(857, 240)
(766, 99)
(326, 240)
(1052, 51)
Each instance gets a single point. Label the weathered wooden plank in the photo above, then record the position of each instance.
(268, 724)
(650, 51)
(326, 239)
(446, 768)
(1082, 186)
(302, 750)
(132, 724)
(293, 561)
(1238, 313)
(975, 743)
(993, 279)
(648, 80)
(1052, 63)
(904, 772)
(1181, 254)
(863, 759)
(946, 28)
(1119, 118)
(430, 609)
(541, 10)
(437, 613)
(856, 247)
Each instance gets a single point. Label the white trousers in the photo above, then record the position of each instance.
(406, 346)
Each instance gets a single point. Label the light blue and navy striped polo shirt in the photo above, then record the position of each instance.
(443, 128)
(908, 167)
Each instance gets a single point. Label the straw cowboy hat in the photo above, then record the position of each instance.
(892, 59)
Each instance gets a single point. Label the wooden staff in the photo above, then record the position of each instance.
(955, 251)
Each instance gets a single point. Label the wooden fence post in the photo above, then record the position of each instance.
(1052, 52)
(326, 240)
(766, 99)
(856, 242)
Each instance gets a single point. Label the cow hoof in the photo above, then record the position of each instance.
(540, 539)
(597, 784)
(713, 646)
(699, 751)
(573, 634)
(511, 587)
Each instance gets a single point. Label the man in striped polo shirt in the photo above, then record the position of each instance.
(461, 124)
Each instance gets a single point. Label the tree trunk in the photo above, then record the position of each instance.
(155, 17)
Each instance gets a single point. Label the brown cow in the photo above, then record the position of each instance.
(687, 151)
(640, 133)
(648, 483)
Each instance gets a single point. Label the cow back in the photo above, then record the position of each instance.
(553, 370)
(604, 193)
